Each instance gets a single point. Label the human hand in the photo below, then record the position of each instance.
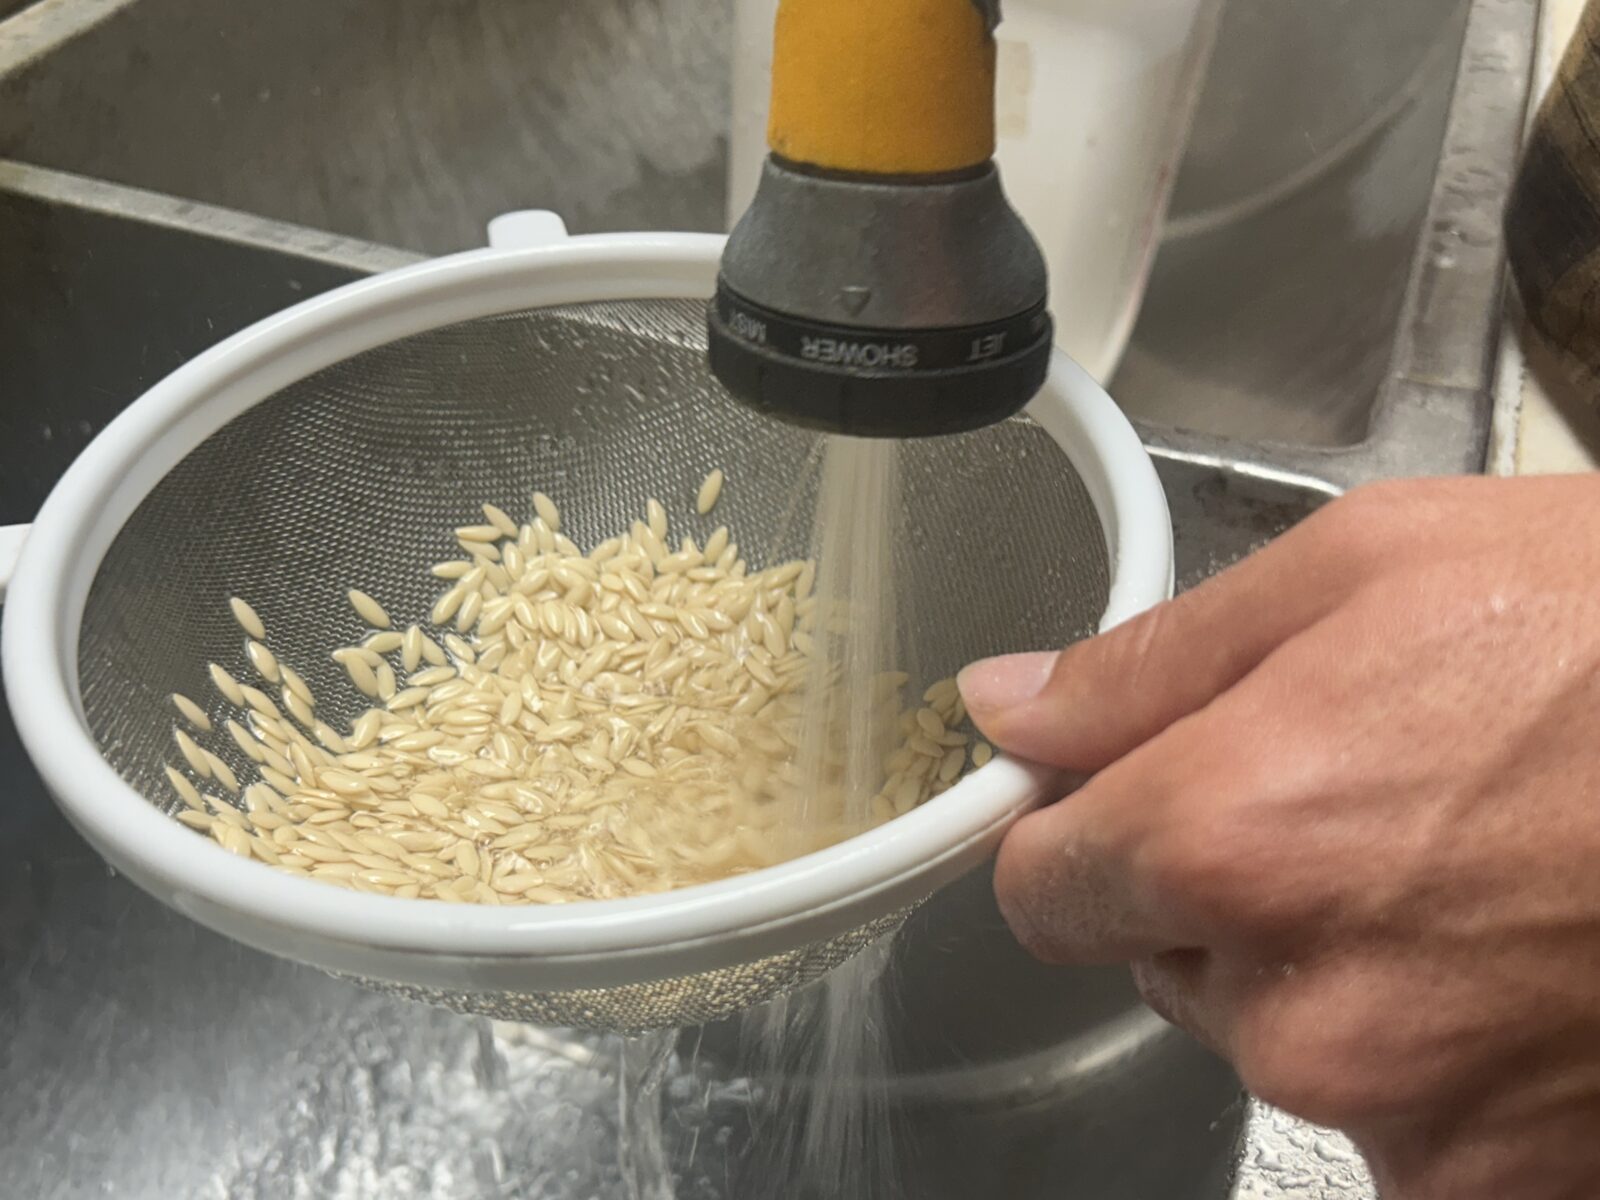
(1343, 814)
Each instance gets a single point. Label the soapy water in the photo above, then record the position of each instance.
(820, 1056)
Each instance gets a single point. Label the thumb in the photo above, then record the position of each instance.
(1088, 705)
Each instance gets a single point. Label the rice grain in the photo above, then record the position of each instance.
(197, 759)
(226, 684)
(263, 660)
(191, 712)
(546, 510)
(247, 618)
(710, 492)
(594, 725)
(368, 609)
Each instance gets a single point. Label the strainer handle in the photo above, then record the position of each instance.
(526, 229)
(11, 539)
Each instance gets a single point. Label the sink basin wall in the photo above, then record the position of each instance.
(91, 317)
(1280, 323)
(411, 125)
(404, 124)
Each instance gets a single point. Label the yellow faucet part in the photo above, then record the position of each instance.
(885, 87)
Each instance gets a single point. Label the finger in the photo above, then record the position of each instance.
(1089, 705)
(1180, 986)
(1065, 883)
(1158, 851)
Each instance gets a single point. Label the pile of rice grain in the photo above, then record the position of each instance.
(592, 725)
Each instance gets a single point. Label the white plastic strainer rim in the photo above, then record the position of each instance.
(98, 493)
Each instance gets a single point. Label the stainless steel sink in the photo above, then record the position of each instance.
(1274, 316)
(174, 177)
(404, 124)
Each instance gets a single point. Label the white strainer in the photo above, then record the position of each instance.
(268, 467)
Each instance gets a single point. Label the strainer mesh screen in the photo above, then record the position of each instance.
(661, 1003)
(354, 477)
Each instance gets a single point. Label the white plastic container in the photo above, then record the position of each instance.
(1094, 100)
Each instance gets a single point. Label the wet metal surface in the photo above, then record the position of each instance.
(1274, 311)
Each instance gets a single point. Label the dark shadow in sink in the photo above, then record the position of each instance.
(95, 308)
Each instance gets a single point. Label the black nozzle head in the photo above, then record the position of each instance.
(891, 383)
(881, 307)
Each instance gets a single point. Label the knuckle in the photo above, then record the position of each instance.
(1124, 654)
(1133, 643)
(1351, 523)
(1232, 849)
(1230, 876)
(1155, 989)
(1220, 895)
(1372, 499)
(1025, 890)
(1369, 524)
(1216, 857)
(1062, 891)
(1166, 993)
(1132, 665)
(1311, 1053)
(1188, 870)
